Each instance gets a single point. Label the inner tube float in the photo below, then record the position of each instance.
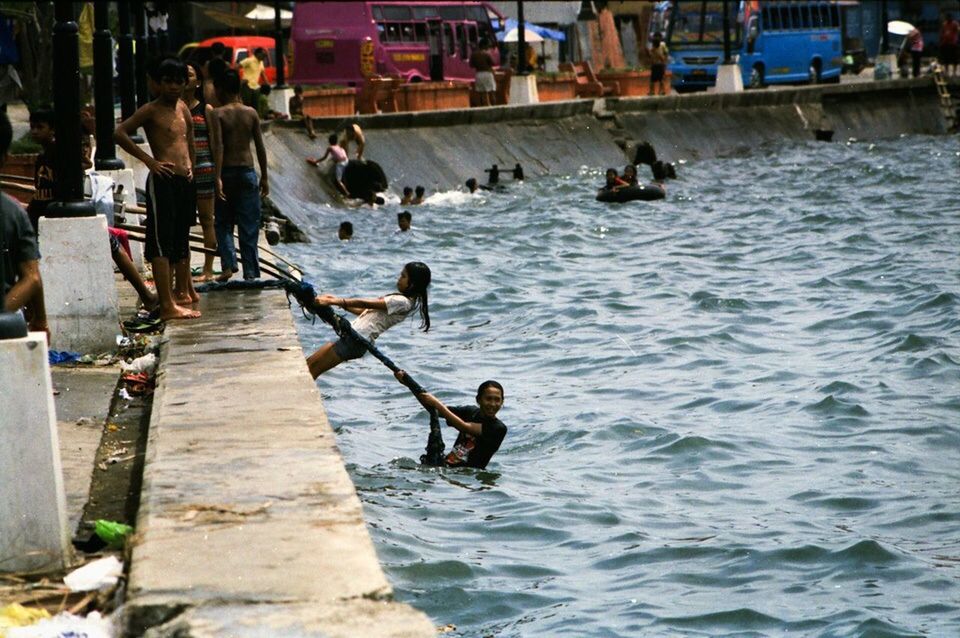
(364, 178)
(646, 193)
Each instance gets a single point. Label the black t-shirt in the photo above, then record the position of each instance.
(43, 182)
(19, 240)
(476, 451)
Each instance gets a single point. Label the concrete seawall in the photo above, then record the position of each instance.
(441, 149)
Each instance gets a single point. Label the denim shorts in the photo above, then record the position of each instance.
(349, 348)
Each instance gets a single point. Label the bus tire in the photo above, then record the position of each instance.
(813, 72)
(756, 77)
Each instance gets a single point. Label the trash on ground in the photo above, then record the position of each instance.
(147, 364)
(65, 625)
(62, 356)
(96, 575)
(112, 533)
(16, 615)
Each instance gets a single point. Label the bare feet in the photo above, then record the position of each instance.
(151, 301)
(182, 298)
(202, 279)
(179, 312)
(226, 275)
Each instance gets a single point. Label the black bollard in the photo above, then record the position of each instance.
(279, 62)
(106, 158)
(521, 41)
(140, 59)
(68, 187)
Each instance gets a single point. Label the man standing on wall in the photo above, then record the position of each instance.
(482, 62)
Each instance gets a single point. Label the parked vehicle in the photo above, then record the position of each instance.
(773, 42)
(346, 42)
(239, 47)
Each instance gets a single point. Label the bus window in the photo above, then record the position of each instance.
(406, 32)
(453, 13)
(393, 12)
(771, 19)
(393, 32)
(795, 22)
(462, 40)
(377, 13)
(420, 31)
(449, 44)
(472, 36)
(477, 14)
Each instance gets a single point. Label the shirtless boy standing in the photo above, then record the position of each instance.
(171, 197)
(234, 126)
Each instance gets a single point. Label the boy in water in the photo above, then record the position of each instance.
(418, 195)
(404, 220)
(238, 200)
(345, 232)
(407, 196)
(171, 196)
(480, 431)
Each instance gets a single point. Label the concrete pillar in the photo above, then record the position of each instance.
(78, 284)
(729, 79)
(280, 99)
(523, 89)
(33, 511)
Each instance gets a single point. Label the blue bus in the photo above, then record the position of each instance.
(773, 42)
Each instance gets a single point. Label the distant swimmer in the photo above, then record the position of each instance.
(345, 232)
(480, 431)
(375, 317)
(473, 186)
(613, 180)
(404, 221)
(494, 175)
(407, 198)
(339, 156)
(419, 193)
(630, 174)
(518, 172)
(353, 133)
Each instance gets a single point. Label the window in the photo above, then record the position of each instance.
(796, 22)
(477, 14)
(392, 12)
(420, 31)
(472, 36)
(449, 44)
(377, 13)
(835, 16)
(406, 32)
(454, 13)
(393, 32)
(422, 13)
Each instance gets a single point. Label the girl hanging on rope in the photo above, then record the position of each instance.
(376, 316)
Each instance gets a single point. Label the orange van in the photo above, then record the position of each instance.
(238, 47)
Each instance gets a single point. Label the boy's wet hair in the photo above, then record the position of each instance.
(420, 190)
(346, 227)
(407, 191)
(659, 171)
(471, 183)
(228, 82)
(6, 135)
(44, 116)
(332, 138)
(490, 383)
(168, 69)
(404, 215)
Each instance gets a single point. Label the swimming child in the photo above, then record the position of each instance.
(339, 157)
(376, 316)
(630, 174)
(404, 219)
(345, 232)
(407, 196)
(418, 195)
(613, 180)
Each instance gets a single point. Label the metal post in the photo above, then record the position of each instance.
(125, 65)
(884, 36)
(140, 25)
(68, 186)
(280, 61)
(106, 158)
(726, 32)
(521, 41)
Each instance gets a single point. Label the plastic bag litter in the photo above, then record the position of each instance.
(125, 395)
(16, 615)
(96, 575)
(112, 533)
(66, 625)
(62, 356)
(147, 364)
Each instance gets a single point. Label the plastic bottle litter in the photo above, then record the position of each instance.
(112, 533)
(146, 364)
(66, 625)
(96, 575)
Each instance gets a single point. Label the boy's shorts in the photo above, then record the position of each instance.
(171, 209)
(339, 168)
(349, 348)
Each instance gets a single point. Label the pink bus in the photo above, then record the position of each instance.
(346, 42)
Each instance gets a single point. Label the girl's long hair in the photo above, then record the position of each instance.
(419, 275)
(198, 92)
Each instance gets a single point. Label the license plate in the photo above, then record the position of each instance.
(698, 72)
(323, 44)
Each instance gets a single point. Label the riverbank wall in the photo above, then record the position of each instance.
(442, 149)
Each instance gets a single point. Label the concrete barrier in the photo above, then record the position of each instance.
(249, 524)
(33, 518)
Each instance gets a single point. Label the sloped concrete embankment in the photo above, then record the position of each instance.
(249, 524)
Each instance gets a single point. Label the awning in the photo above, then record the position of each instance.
(548, 34)
(264, 13)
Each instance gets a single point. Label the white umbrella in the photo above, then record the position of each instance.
(263, 12)
(899, 27)
(529, 36)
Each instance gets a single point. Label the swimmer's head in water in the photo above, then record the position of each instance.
(490, 397)
(420, 190)
(472, 184)
(345, 231)
(404, 220)
(407, 191)
(659, 171)
(630, 172)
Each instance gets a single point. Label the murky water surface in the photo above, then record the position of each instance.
(732, 413)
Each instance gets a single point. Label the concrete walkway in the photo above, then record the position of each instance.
(249, 524)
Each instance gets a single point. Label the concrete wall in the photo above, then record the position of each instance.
(441, 149)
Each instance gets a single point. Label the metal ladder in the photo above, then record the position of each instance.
(946, 100)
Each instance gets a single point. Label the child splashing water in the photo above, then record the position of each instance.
(376, 316)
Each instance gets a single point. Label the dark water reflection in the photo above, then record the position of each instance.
(733, 413)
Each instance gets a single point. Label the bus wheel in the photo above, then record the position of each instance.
(814, 73)
(756, 78)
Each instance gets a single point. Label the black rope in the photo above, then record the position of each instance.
(305, 295)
